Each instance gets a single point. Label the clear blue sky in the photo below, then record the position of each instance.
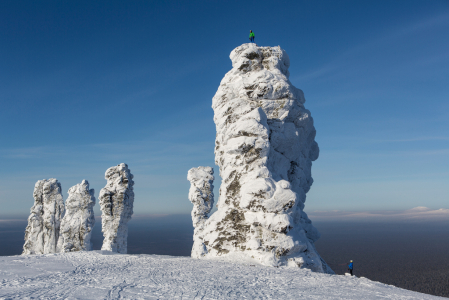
(85, 85)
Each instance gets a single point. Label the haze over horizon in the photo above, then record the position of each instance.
(88, 85)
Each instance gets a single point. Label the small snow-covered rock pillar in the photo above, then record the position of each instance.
(202, 196)
(265, 145)
(116, 203)
(79, 219)
(42, 232)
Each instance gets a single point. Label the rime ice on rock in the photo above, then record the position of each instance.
(42, 232)
(116, 203)
(202, 196)
(77, 224)
(264, 147)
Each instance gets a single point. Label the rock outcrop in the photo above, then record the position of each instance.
(265, 146)
(42, 232)
(202, 196)
(116, 203)
(79, 219)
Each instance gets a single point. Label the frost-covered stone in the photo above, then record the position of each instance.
(79, 219)
(202, 196)
(265, 146)
(116, 203)
(42, 232)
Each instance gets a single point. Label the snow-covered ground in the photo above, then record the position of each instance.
(103, 275)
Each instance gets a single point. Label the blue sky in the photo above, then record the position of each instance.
(86, 85)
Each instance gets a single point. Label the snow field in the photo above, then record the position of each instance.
(104, 275)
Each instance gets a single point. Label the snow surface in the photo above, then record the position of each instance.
(265, 146)
(116, 204)
(79, 219)
(106, 275)
(42, 232)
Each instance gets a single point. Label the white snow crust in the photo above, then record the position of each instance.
(42, 232)
(104, 275)
(202, 196)
(79, 219)
(116, 204)
(265, 146)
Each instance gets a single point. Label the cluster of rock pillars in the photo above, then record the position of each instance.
(264, 147)
(54, 227)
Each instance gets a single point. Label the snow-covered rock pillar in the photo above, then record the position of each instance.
(116, 203)
(79, 219)
(265, 146)
(202, 196)
(42, 232)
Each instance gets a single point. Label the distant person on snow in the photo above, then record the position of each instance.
(251, 36)
(350, 267)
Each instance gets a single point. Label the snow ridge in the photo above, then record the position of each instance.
(42, 232)
(264, 147)
(79, 219)
(116, 203)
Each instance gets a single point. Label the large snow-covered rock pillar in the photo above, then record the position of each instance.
(265, 146)
(116, 203)
(202, 196)
(42, 232)
(79, 219)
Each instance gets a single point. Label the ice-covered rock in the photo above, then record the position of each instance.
(42, 232)
(116, 203)
(265, 146)
(202, 196)
(79, 219)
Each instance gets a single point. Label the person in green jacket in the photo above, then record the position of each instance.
(251, 36)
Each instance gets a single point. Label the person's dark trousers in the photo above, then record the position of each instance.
(252, 39)
(350, 271)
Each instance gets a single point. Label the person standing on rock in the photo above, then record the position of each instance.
(350, 267)
(251, 36)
